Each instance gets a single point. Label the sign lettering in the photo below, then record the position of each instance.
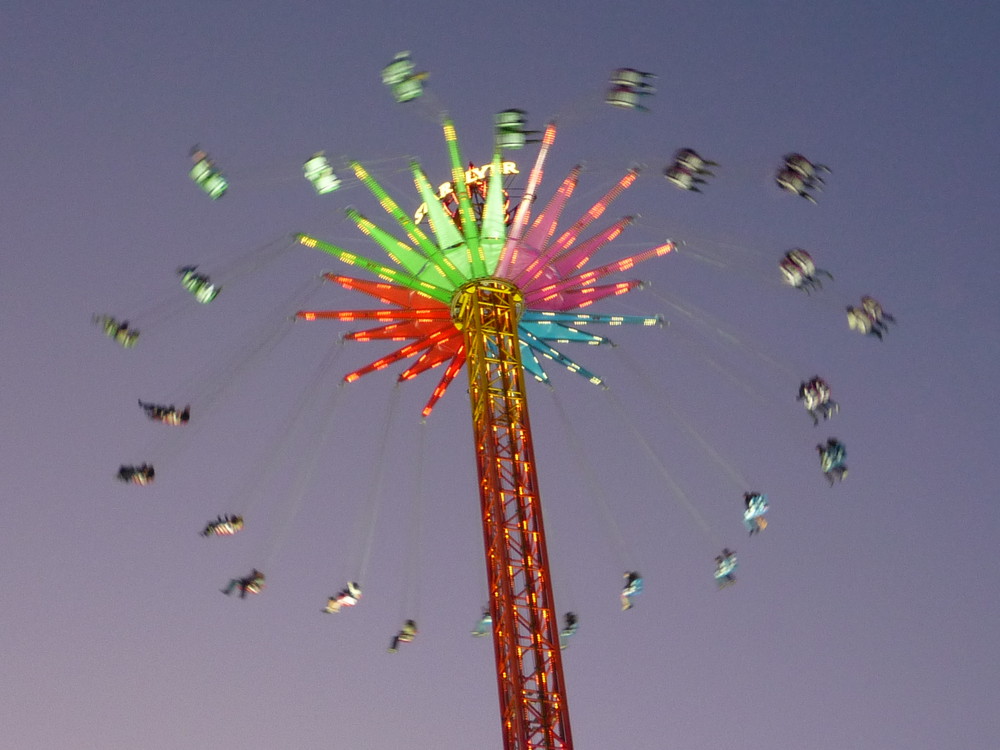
(473, 176)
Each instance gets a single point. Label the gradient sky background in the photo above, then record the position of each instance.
(864, 617)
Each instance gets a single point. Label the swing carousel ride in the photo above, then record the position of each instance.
(499, 289)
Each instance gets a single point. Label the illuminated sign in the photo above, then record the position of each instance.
(473, 176)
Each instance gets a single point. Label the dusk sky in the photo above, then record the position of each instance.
(864, 617)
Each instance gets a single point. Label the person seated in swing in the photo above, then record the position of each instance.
(832, 457)
(859, 320)
(405, 635)
(484, 625)
(142, 474)
(166, 414)
(753, 516)
(223, 526)
(725, 568)
(815, 396)
(206, 175)
(251, 584)
(633, 587)
(876, 313)
(175, 417)
(198, 284)
(571, 624)
(346, 597)
(118, 330)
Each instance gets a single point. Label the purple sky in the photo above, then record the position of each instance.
(864, 617)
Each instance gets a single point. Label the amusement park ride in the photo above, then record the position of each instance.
(494, 293)
(496, 290)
